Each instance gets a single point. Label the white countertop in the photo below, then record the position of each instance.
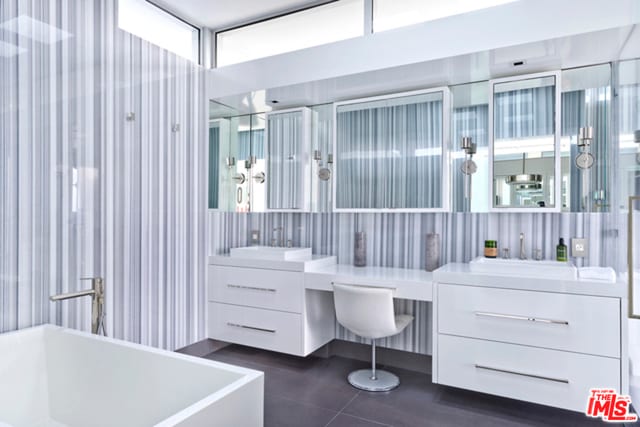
(460, 273)
(408, 283)
(304, 264)
(321, 271)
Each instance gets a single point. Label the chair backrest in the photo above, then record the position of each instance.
(365, 311)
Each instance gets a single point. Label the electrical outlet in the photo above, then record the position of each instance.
(255, 237)
(579, 248)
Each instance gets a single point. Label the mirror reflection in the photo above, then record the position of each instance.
(389, 153)
(288, 164)
(470, 166)
(524, 144)
(585, 142)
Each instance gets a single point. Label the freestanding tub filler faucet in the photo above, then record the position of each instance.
(97, 302)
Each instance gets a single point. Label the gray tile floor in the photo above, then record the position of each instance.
(309, 392)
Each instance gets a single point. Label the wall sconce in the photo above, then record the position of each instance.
(468, 167)
(585, 159)
(324, 173)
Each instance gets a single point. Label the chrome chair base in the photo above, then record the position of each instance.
(384, 381)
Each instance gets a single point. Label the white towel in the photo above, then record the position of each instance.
(605, 274)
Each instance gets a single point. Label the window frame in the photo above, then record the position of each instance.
(174, 16)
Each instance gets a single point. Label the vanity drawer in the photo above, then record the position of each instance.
(255, 327)
(579, 323)
(549, 377)
(272, 289)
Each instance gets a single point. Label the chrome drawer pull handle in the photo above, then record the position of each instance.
(251, 288)
(514, 317)
(523, 374)
(237, 325)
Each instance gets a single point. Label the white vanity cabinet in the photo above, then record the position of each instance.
(265, 305)
(543, 341)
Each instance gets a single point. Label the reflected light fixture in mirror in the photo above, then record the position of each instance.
(524, 181)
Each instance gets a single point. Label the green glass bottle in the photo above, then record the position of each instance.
(561, 251)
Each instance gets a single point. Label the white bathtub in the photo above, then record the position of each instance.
(55, 377)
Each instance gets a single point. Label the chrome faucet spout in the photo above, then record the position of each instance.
(97, 302)
(71, 295)
(523, 255)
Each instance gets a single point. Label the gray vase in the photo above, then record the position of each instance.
(432, 251)
(360, 249)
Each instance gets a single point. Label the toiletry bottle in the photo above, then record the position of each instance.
(360, 249)
(561, 251)
(490, 248)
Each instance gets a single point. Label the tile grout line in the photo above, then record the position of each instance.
(343, 408)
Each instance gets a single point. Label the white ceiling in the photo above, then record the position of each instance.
(217, 14)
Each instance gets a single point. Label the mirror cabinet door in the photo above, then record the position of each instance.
(322, 158)
(469, 147)
(219, 178)
(255, 163)
(525, 142)
(585, 147)
(391, 152)
(288, 160)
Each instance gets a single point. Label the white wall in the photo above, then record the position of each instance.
(513, 24)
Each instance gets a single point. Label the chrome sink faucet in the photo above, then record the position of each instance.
(274, 241)
(523, 255)
(97, 302)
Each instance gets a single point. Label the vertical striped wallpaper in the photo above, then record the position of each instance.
(397, 240)
(103, 172)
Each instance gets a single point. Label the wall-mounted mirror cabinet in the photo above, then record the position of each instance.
(288, 161)
(391, 153)
(524, 143)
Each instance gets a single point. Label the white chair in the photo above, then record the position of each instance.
(368, 312)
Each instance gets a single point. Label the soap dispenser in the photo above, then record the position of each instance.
(561, 251)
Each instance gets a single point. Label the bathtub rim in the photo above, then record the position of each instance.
(248, 375)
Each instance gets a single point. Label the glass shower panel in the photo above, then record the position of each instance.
(389, 153)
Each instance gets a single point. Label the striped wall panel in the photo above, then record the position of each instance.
(86, 192)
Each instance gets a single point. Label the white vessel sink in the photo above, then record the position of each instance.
(271, 253)
(530, 268)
